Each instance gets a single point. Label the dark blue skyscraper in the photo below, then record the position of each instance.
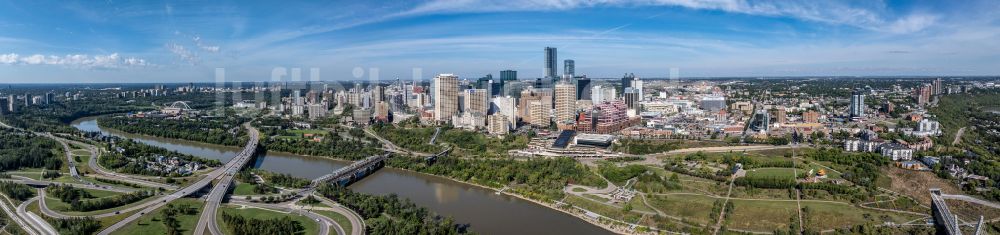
(550, 63)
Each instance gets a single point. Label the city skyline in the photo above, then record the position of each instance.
(115, 42)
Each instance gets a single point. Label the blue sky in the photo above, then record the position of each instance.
(180, 41)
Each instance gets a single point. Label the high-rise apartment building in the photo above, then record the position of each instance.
(538, 114)
(445, 97)
(11, 104)
(550, 63)
(923, 94)
(938, 87)
(475, 101)
(565, 101)
(857, 108)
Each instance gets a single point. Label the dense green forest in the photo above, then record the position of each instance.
(392, 215)
(536, 178)
(24, 149)
(76, 226)
(215, 130)
(17, 191)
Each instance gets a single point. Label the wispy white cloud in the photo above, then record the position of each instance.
(79, 61)
(831, 12)
(182, 52)
(201, 45)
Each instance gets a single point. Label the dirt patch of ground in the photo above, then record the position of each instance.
(970, 212)
(917, 184)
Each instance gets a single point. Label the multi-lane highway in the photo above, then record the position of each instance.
(36, 222)
(214, 199)
(229, 169)
(20, 219)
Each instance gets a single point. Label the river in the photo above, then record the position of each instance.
(485, 211)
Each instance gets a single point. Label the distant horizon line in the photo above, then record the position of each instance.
(530, 79)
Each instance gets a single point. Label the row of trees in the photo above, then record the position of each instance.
(238, 224)
(392, 215)
(766, 182)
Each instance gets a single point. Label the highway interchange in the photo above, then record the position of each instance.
(223, 177)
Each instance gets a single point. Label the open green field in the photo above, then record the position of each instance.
(337, 217)
(33, 173)
(248, 212)
(831, 216)
(771, 172)
(243, 189)
(761, 215)
(80, 152)
(694, 208)
(152, 223)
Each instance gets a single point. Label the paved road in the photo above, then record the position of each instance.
(30, 181)
(357, 223)
(36, 222)
(103, 173)
(231, 167)
(107, 174)
(215, 197)
(17, 217)
(69, 157)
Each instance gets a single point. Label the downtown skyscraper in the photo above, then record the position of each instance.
(550, 63)
(569, 68)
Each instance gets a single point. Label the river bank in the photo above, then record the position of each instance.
(487, 212)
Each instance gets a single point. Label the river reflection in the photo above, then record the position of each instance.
(487, 212)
